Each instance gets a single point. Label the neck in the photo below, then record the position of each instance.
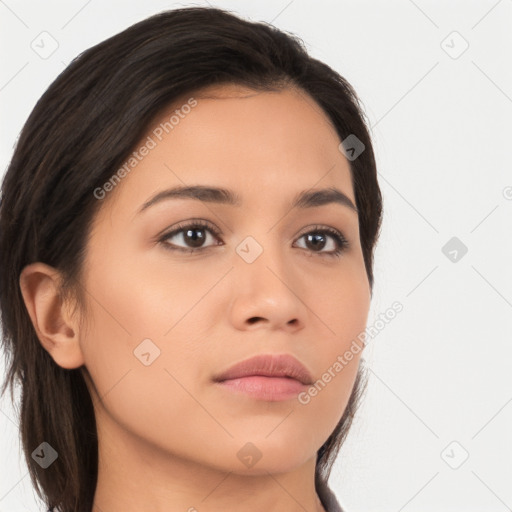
(134, 475)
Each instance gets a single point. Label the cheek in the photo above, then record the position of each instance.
(341, 306)
(136, 377)
(140, 343)
(343, 311)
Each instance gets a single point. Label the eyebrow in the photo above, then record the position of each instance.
(305, 199)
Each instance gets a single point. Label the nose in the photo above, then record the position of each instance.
(267, 294)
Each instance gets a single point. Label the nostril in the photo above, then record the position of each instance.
(254, 319)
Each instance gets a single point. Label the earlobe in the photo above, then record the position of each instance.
(56, 330)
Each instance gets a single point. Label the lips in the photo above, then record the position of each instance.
(268, 365)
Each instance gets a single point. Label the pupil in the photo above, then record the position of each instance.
(315, 238)
(196, 240)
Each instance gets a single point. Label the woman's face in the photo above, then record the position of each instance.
(171, 312)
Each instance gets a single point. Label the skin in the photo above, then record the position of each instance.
(168, 436)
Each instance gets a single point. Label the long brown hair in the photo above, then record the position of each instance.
(80, 132)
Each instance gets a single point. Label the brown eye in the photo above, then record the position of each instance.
(192, 237)
(318, 239)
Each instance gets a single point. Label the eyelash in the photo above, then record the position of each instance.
(341, 241)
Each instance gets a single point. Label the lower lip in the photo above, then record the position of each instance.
(270, 389)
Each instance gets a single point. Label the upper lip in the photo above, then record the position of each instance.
(268, 365)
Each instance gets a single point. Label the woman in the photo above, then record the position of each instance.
(187, 234)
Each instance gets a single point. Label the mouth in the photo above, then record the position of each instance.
(267, 377)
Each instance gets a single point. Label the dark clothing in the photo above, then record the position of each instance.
(328, 498)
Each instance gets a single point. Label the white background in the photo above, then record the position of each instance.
(440, 371)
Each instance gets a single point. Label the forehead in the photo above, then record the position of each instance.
(267, 146)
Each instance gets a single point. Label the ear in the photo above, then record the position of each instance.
(56, 330)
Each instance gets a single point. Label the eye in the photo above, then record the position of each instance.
(192, 233)
(318, 238)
